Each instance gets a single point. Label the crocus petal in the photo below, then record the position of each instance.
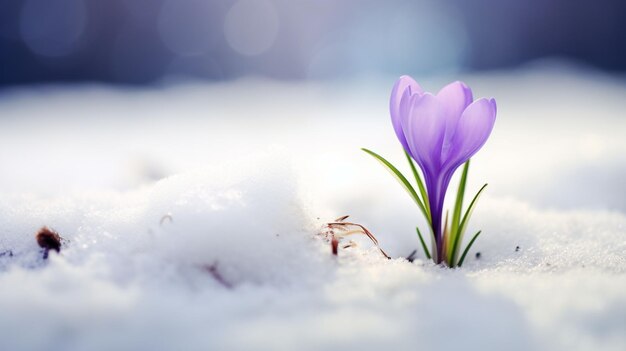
(404, 84)
(454, 99)
(424, 129)
(472, 131)
(440, 132)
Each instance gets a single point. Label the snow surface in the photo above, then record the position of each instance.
(191, 212)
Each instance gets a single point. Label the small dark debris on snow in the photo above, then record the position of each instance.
(166, 217)
(478, 255)
(212, 270)
(411, 257)
(48, 240)
(8, 253)
(516, 248)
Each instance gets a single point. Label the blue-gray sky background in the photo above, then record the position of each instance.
(144, 41)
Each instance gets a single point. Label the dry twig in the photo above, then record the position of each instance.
(337, 230)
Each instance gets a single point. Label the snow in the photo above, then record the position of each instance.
(191, 211)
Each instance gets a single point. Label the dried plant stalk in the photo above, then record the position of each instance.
(339, 229)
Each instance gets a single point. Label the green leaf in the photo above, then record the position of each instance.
(403, 181)
(468, 214)
(467, 249)
(458, 205)
(420, 184)
(455, 234)
(423, 243)
(433, 246)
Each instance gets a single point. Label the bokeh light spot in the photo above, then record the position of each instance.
(52, 28)
(393, 41)
(251, 26)
(189, 27)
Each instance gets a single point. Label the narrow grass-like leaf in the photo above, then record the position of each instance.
(467, 249)
(445, 239)
(468, 214)
(402, 179)
(420, 184)
(458, 205)
(455, 233)
(433, 246)
(423, 243)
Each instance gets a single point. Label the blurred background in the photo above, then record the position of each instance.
(146, 41)
(114, 113)
(119, 93)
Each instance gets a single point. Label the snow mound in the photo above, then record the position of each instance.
(179, 237)
(243, 221)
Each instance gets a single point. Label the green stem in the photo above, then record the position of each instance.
(468, 214)
(455, 232)
(420, 185)
(423, 243)
(403, 181)
(467, 249)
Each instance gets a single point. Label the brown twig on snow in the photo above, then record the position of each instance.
(334, 244)
(339, 229)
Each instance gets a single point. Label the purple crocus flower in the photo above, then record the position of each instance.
(440, 132)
